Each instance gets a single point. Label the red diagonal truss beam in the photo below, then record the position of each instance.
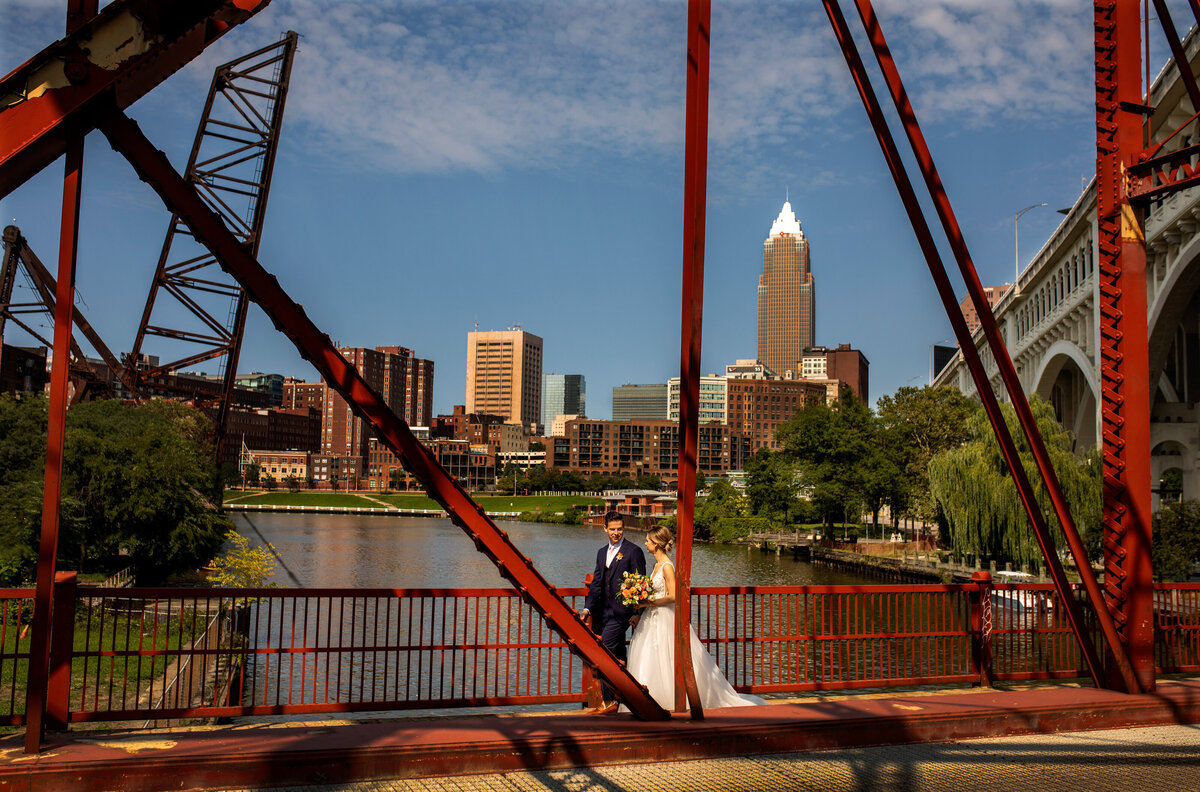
(111, 60)
(991, 331)
(180, 198)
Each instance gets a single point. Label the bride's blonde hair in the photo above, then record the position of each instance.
(662, 537)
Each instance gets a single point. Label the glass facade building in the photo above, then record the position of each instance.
(786, 302)
(562, 394)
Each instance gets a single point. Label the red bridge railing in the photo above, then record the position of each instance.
(163, 654)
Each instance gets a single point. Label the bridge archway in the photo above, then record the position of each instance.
(1175, 306)
(1174, 337)
(1066, 379)
(1169, 463)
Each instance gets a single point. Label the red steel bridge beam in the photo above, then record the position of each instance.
(1124, 346)
(691, 316)
(18, 253)
(1008, 373)
(111, 60)
(289, 318)
(971, 355)
(37, 675)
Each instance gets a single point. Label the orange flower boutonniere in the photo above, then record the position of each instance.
(620, 556)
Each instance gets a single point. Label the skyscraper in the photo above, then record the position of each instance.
(562, 394)
(504, 375)
(785, 296)
(403, 380)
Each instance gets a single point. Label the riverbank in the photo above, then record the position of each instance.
(400, 504)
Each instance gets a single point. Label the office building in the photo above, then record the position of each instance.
(271, 384)
(786, 302)
(993, 295)
(558, 427)
(404, 381)
(636, 402)
(749, 369)
(758, 407)
(844, 365)
(712, 399)
(504, 375)
(562, 394)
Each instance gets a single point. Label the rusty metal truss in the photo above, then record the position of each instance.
(231, 164)
(19, 257)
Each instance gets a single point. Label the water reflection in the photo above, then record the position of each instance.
(366, 551)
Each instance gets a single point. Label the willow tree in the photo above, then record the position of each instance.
(974, 488)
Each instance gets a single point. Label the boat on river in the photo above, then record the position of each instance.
(1022, 600)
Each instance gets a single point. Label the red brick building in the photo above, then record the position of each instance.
(403, 380)
(473, 466)
(642, 447)
(758, 407)
(848, 366)
(272, 429)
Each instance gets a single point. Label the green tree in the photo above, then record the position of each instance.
(268, 482)
(649, 482)
(983, 512)
(253, 472)
(571, 481)
(723, 500)
(22, 463)
(141, 473)
(243, 566)
(921, 423)
(771, 489)
(1176, 541)
(230, 476)
(293, 482)
(836, 449)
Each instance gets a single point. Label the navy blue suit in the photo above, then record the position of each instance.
(610, 616)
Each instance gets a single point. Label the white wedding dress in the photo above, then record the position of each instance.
(652, 659)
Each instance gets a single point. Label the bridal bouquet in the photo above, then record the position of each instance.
(635, 589)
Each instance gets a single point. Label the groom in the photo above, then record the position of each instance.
(611, 617)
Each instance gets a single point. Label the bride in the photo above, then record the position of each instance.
(652, 649)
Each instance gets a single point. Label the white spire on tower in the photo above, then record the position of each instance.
(786, 223)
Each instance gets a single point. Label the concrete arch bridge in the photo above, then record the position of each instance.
(1051, 325)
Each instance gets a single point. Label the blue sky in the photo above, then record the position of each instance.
(509, 162)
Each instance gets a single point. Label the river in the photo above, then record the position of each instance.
(369, 551)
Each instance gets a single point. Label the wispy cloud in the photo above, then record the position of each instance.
(415, 86)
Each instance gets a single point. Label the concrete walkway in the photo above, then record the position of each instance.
(925, 732)
(1147, 759)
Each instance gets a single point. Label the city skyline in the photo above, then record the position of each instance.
(509, 163)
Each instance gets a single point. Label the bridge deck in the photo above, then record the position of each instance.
(264, 756)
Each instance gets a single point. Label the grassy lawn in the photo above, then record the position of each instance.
(497, 503)
(491, 503)
(112, 679)
(285, 498)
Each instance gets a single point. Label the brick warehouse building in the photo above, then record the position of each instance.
(403, 380)
(643, 447)
(756, 408)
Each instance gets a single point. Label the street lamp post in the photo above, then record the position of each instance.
(1016, 248)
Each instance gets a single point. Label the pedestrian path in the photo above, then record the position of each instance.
(1145, 759)
(799, 744)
